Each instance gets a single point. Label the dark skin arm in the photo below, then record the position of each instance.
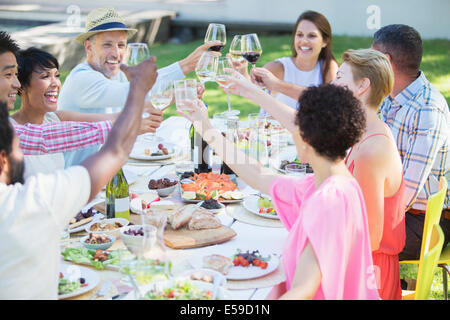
(103, 165)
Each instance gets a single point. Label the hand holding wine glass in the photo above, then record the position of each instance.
(161, 95)
(216, 32)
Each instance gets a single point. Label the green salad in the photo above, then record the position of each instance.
(66, 286)
(96, 258)
(180, 291)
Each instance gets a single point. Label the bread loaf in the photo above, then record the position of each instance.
(217, 262)
(182, 216)
(203, 219)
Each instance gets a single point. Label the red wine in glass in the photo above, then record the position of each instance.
(252, 57)
(217, 48)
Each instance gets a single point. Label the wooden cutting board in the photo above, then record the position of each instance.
(184, 238)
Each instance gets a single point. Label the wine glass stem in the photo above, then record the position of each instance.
(229, 105)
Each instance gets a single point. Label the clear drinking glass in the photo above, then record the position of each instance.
(251, 48)
(136, 53)
(224, 71)
(236, 49)
(206, 67)
(257, 142)
(216, 32)
(185, 90)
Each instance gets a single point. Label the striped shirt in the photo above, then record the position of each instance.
(61, 136)
(419, 120)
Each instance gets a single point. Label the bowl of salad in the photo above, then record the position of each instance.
(179, 289)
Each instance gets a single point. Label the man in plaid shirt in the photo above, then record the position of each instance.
(418, 116)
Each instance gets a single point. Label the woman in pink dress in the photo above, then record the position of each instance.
(327, 253)
(374, 161)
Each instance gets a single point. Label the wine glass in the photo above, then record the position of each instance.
(216, 32)
(206, 67)
(136, 53)
(236, 49)
(161, 96)
(185, 90)
(224, 71)
(251, 48)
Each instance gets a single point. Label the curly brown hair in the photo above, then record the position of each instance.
(330, 119)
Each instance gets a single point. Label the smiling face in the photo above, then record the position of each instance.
(308, 40)
(42, 91)
(9, 84)
(106, 51)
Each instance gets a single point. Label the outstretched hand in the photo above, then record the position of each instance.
(144, 74)
(193, 110)
(264, 78)
(239, 85)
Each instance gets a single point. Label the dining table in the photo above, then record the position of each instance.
(251, 232)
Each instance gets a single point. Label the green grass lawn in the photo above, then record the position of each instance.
(435, 64)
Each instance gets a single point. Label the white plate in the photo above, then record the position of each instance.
(97, 217)
(73, 272)
(240, 272)
(130, 176)
(138, 151)
(114, 232)
(251, 204)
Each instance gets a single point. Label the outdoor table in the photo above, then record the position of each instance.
(249, 236)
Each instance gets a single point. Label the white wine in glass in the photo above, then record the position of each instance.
(236, 49)
(216, 32)
(161, 94)
(136, 53)
(206, 68)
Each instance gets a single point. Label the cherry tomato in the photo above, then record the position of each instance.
(256, 262)
(263, 265)
(236, 262)
(60, 275)
(171, 295)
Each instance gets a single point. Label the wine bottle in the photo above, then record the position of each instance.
(199, 152)
(117, 197)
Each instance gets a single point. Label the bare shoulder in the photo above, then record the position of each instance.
(276, 68)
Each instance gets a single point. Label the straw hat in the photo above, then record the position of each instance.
(101, 20)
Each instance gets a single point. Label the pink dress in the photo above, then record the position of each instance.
(333, 220)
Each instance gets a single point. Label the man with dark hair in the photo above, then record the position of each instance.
(34, 214)
(418, 117)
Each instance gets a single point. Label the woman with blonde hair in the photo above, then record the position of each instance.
(374, 161)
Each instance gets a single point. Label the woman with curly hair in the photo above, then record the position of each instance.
(374, 161)
(327, 253)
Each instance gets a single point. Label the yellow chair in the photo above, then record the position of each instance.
(427, 266)
(433, 213)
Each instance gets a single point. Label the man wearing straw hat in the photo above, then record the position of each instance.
(98, 85)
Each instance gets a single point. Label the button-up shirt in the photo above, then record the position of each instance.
(419, 120)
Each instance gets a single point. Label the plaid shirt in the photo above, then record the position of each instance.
(61, 136)
(419, 120)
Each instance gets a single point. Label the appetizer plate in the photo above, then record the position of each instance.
(96, 217)
(240, 272)
(251, 204)
(138, 151)
(73, 273)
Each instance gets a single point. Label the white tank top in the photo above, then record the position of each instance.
(294, 75)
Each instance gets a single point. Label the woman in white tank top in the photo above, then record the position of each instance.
(312, 62)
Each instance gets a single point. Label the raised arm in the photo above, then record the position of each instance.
(247, 168)
(103, 165)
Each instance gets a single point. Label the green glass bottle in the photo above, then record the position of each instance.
(117, 197)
